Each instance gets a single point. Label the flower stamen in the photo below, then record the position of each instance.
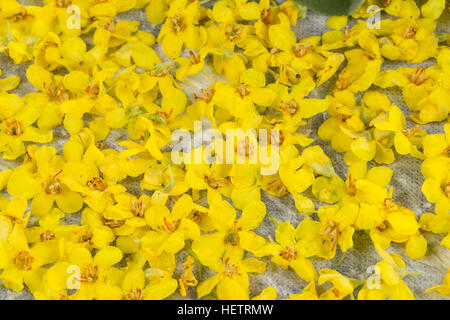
(289, 253)
(205, 95)
(23, 260)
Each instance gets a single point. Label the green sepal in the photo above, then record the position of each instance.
(333, 7)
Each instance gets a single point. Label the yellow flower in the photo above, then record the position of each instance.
(86, 179)
(13, 214)
(50, 229)
(15, 42)
(437, 223)
(301, 57)
(44, 185)
(192, 65)
(341, 285)
(127, 214)
(286, 251)
(187, 278)
(349, 37)
(22, 264)
(105, 76)
(94, 271)
(361, 69)
(232, 11)
(210, 247)
(231, 278)
(97, 232)
(240, 101)
(17, 126)
(437, 181)
(170, 229)
(424, 89)
(287, 14)
(396, 123)
(408, 40)
(400, 225)
(387, 279)
(294, 107)
(181, 28)
(47, 51)
(136, 286)
(335, 227)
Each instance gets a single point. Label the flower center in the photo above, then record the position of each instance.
(133, 295)
(331, 232)
(113, 223)
(213, 182)
(243, 90)
(411, 132)
(343, 83)
(177, 23)
(90, 274)
(233, 32)
(276, 185)
(109, 26)
(266, 15)
(291, 107)
(288, 253)
(410, 33)
(165, 115)
(13, 128)
(196, 215)
(93, 90)
(233, 236)
(300, 50)
(205, 95)
(47, 235)
(418, 77)
(384, 226)
(86, 238)
(171, 226)
(23, 260)
(195, 58)
(230, 268)
(54, 186)
(138, 208)
(55, 93)
(97, 183)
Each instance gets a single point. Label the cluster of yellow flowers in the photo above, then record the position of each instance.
(107, 74)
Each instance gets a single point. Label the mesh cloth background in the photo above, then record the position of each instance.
(407, 181)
